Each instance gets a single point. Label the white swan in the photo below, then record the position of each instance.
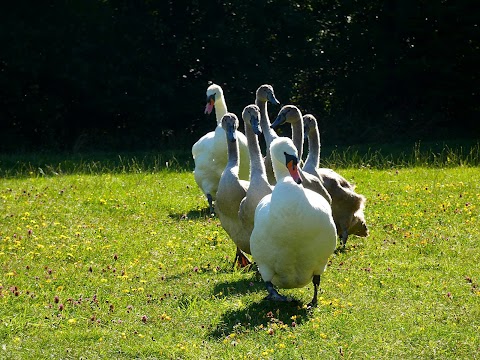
(294, 232)
(264, 94)
(259, 185)
(231, 191)
(210, 151)
(292, 115)
(347, 205)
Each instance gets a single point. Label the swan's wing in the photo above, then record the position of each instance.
(203, 145)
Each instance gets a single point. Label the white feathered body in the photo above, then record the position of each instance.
(294, 235)
(210, 151)
(205, 174)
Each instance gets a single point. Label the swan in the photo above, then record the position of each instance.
(292, 115)
(294, 232)
(259, 185)
(347, 205)
(210, 151)
(264, 94)
(231, 191)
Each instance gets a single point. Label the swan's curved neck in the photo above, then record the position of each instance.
(232, 148)
(297, 136)
(281, 172)
(257, 166)
(268, 132)
(313, 158)
(220, 109)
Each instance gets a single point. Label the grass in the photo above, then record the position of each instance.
(117, 258)
(430, 154)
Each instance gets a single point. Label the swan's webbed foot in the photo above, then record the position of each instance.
(316, 284)
(210, 204)
(241, 260)
(274, 295)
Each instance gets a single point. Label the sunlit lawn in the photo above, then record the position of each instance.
(126, 265)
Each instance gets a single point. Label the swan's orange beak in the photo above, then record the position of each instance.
(293, 170)
(209, 106)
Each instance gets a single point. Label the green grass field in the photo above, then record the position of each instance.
(119, 260)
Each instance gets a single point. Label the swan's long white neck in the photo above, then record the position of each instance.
(281, 172)
(313, 157)
(220, 109)
(268, 132)
(257, 166)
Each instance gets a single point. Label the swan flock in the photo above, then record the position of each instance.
(286, 216)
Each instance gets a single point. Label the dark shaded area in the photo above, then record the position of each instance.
(193, 214)
(115, 75)
(261, 316)
(257, 315)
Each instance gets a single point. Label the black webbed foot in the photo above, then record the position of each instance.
(316, 284)
(273, 295)
(210, 204)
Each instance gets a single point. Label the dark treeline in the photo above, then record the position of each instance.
(80, 75)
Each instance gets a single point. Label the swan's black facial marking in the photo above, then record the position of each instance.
(289, 158)
(211, 97)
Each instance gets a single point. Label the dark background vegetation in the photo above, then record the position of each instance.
(84, 75)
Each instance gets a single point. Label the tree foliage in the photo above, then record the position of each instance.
(117, 74)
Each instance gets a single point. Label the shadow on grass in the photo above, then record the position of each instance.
(240, 287)
(349, 246)
(192, 214)
(256, 315)
(261, 315)
(203, 272)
